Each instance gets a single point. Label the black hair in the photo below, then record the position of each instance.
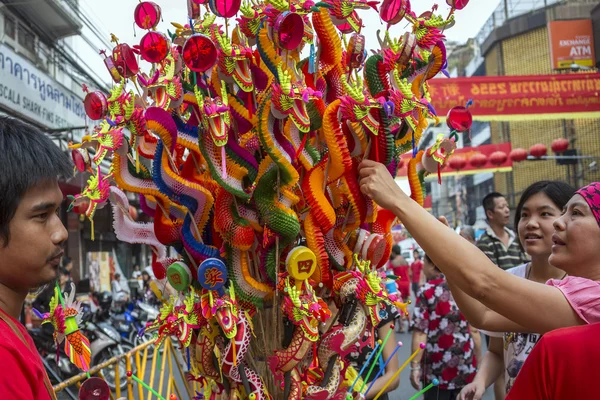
(66, 261)
(27, 158)
(396, 251)
(489, 202)
(117, 275)
(432, 263)
(558, 192)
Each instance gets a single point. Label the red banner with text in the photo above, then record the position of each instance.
(468, 165)
(532, 97)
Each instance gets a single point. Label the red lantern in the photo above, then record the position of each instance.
(498, 158)
(147, 15)
(392, 11)
(154, 47)
(460, 119)
(457, 162)
(199, 53)
(95, 105)
(478, 160)
(538, 150)
(457, 4)
(81, 207)
(518, 155)
(560, 145)
(125, 61)
(288, 30)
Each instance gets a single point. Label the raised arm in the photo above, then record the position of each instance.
(481, 316)
(465, 265)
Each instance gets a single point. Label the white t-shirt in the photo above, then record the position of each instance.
(517, 346)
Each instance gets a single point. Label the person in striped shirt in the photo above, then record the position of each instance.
(498, 242)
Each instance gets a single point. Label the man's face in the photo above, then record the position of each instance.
(501, 212)
(37, 235)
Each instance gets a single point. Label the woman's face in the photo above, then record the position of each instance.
(536, 225)
(576, 240)
(429, 269)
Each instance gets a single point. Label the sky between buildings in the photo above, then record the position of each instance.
(116, 16)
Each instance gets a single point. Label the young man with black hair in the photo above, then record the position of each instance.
(499, 243)
(32, 237)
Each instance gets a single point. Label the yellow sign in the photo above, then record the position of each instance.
(301, 263)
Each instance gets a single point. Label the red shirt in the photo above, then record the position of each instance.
(563, 365)
(402, 273)
(23, 375)
(416, 268)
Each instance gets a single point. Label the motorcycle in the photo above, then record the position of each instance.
(133, 320)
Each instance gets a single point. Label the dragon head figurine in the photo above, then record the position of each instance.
(226, 312)
(344, 11)
(96, 192)
(250, 19)
(304, 309)
(235, 60)
(356, 106)
(216, 115)
(290, 98)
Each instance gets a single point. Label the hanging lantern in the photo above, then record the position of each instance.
(154, 47)
(225, 8)
(147, 15)
(559, 146)
(460, 119)
(288, 30)
(498, 158)
(95, 105)
(125, 61)
(518, 155)
(478, 160)
(457, 163)
(393, 11)
(538, 150)
(356, 54)
(199, 53)
(457, 4)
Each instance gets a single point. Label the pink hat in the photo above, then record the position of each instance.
(591, 194)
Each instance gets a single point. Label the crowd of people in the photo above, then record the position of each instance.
(542, 280)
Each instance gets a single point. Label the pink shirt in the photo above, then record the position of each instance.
(582, 294)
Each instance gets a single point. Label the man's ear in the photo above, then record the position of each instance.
(489, 214)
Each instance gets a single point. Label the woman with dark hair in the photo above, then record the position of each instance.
(538, 208)
(524, 305)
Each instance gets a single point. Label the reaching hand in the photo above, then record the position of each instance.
(377, 184)
(473, 391)
(415, 379)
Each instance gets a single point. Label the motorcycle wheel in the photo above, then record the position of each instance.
(110, 371)
(136, 340)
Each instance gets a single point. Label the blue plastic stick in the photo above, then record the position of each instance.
(365, 366)
(381, 370)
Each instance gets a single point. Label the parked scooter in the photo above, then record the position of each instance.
(133, 320)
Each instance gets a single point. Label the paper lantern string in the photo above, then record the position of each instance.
(382, 370)
(387, 337)
(389, 382)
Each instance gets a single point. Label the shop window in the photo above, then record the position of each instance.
(10, 27)
(26, 39)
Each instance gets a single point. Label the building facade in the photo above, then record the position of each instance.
(43, 65)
